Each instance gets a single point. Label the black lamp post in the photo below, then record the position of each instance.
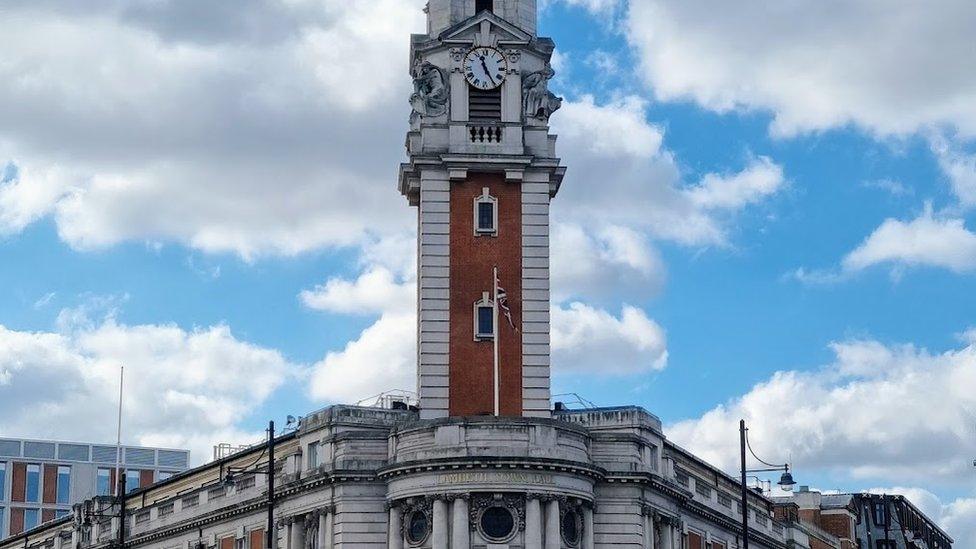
(786, 482)
(229, 479)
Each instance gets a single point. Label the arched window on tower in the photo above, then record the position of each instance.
(485, 214)
(484, 5)
(484, 318)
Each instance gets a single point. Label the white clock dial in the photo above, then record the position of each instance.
(485, 68)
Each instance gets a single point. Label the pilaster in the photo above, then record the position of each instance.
(434, 294)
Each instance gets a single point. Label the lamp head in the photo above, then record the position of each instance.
(786, 482)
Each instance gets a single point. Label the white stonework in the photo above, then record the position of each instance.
(441, 149)
(607, 468)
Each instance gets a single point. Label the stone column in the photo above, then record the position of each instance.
(650, 528)
(439, 536)
(395, 536)
(325, 528)
(588, 528)
(460, 533)
(533, 523)
(667, 536)
(297, 534)
(552, 525)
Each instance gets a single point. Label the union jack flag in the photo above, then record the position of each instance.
(502, 299)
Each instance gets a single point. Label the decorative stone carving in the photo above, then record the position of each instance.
(431, 93)
(457, 55)
(514, 503)
(513, 58)
(538, 101)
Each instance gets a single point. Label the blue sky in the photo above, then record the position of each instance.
(781, 230)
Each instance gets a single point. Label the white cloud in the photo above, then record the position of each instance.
(383, 358)
(959, 167)
(620, 175)
(183, 388)
(613, 261)
(891, 70)
(375, 291)
(617, 129)
(890, 186)
(759, 180)
(959, 519)
(878, 411)
(927, 240)
(240, 127)
(29, 195)
(585, 339)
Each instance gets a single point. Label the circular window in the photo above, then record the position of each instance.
(497, 523)
(418, 527)
(571, 527)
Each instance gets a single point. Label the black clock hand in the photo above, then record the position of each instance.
(487, 72)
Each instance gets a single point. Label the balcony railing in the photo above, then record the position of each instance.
(485, 133)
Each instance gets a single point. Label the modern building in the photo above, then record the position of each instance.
(40, 480)
(485, 460)
(866, 521)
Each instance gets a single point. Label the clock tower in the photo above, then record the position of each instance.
(482, 170)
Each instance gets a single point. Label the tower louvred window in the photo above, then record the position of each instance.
(484, 105)
(484, 5)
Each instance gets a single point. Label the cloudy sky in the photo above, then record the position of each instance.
(770, 213)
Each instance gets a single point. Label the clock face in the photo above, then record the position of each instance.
(485, 68)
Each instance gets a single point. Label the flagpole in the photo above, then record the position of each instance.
(494, 312)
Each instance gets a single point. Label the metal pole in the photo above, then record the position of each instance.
(121, 500)
(745, 490)
(118, 438)
(271, 484)
(494, 325)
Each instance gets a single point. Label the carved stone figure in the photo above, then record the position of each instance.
(539, 102)
(430, 91)
(311, 527)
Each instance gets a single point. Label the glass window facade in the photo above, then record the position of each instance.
(104, 482)
(163, 475)
(3, 486)
(131, 480)
(64, 484)
(61, 513)
(33, 494)
(3, 522)
(32, 518)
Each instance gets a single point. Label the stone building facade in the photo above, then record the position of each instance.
(466, 469)
(864, 520)
(353, 477)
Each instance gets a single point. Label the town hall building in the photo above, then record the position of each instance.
(483, 459)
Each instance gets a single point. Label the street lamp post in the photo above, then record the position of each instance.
(229, 479)
(786, 481)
